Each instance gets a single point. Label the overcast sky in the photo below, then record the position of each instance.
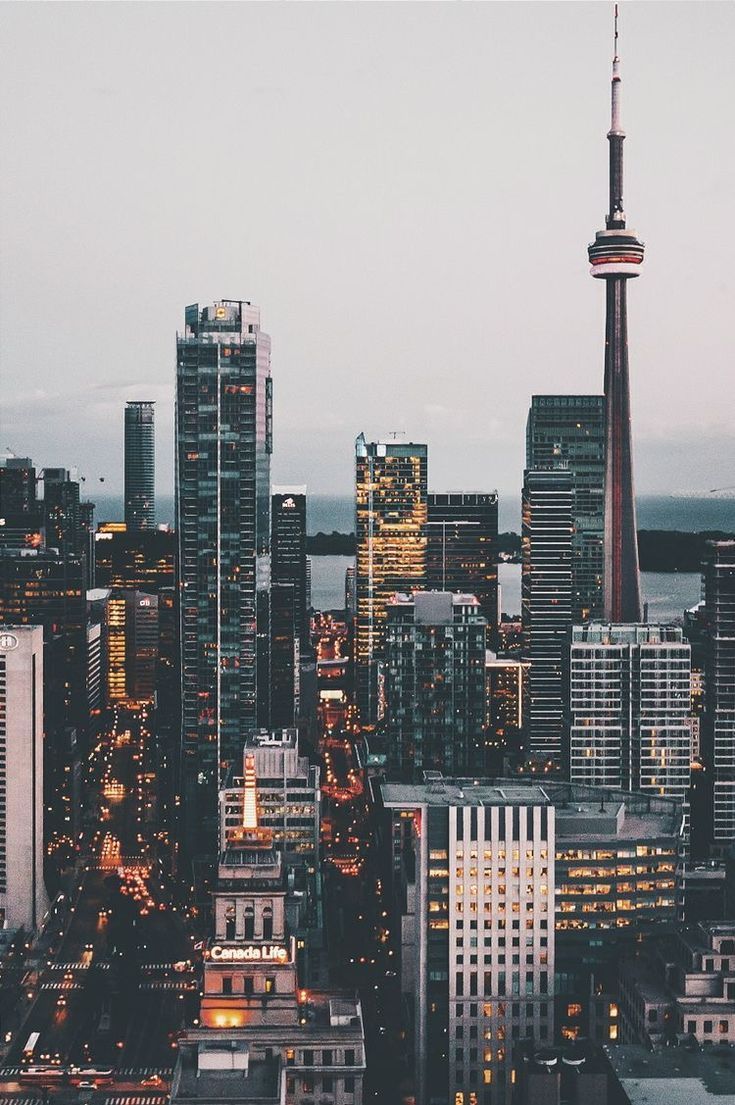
(406, 190)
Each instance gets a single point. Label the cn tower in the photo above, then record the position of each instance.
(615, 256)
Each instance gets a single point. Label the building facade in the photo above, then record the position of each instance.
(223, 447)
(22, 891)
(629, 696)
(390, 529)
(569, 430)
(718, 723)
(476, 930)
(140, 466)
(434, 679)
(461, 548)
(546, 603)
(288, 550)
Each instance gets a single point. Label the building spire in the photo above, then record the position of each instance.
(615, 124)
(616, 213)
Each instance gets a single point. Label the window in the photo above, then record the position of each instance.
(227, 984)
(349, 1085)
(723, 1027)
(247, 985)
(309, 1058)
(349, 1057)
(327, 1058)
(270, 985)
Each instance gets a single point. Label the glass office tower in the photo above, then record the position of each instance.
(461, 550)
(569, 430)
(390, 527)
(223, 447)
(140, 466)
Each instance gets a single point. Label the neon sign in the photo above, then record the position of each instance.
(249, 953)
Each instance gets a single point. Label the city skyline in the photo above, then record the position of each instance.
(423, 243)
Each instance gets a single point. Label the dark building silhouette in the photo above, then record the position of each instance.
(288, 551)
(141, 560)
(461, 548)
(284, 654)
(21, 512)
(140, 466)
(615, 256)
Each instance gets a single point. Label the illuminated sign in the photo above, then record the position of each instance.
(248, 953)
(8, 641)
(289, 504)
(220, 312)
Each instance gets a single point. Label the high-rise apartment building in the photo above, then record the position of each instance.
(569, 431)
(390, 530)
(477, 930)
(223, 448)
(434, 679)
(285, 655)
(505, 696)
(718, 723)
(140, 466)
(546, 599)
(461, 548)
(629, 701)
(288, 549)
(22, 892)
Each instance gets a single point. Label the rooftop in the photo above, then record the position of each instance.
(675, 1076)
(222, 1070)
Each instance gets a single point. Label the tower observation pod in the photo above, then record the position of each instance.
(615, 256)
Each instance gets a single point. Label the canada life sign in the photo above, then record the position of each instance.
(246, 953)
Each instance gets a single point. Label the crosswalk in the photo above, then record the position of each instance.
(65, 985)
(6, 1073)
(18, 1101)
(135, 1099)
(143, 1072)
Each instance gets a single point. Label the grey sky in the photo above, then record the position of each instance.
(407, 191)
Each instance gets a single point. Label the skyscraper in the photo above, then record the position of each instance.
(629, 703)
(21, 512)
(390, 528)
(140, 466)
(718, 729)
(546, 601)
(615, 257)
(62, 513)
(569, 431)
(223, 447)
(435, 644)
(461, 548)
(288, 550)
(22, 893)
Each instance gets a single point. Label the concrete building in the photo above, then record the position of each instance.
(475, 862)
(684, 986)
(611, 876)
(253, 1005)
(629, 705)
(434, 681)
(289, 799)
(22, 891)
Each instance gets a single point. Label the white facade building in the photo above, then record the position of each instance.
(629, 699)
(22, 891)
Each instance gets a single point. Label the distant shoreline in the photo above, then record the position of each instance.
(658, 550)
